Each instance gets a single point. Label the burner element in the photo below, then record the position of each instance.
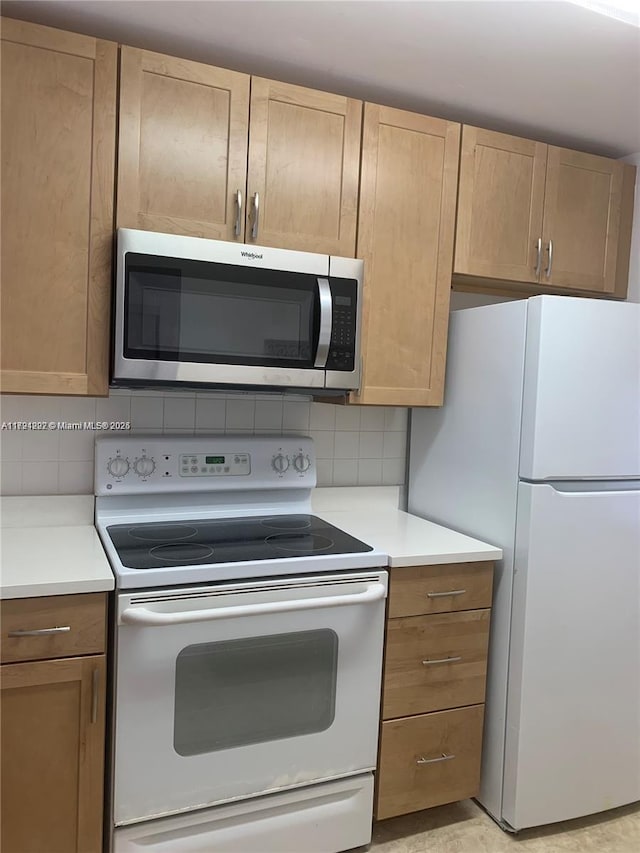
(178, 552)
(287, 522)
(162, 532)
(306, 543)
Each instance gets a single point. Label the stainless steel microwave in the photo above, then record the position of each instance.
(198, 312)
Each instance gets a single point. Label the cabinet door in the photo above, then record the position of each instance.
(583, 208)
(304, 155)
(500, 204)
(182, 146)
(52, 764)
(405, 236)
(58, 150)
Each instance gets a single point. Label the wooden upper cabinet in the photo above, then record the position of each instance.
(304, 157)
(587, 221)
(58, 151)
(406, 226)
(500, 203)
(551, 218)
(52, 765)
(182, 146)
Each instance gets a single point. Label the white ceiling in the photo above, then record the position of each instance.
(550, 70)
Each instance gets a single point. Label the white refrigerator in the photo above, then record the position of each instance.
(537, 450)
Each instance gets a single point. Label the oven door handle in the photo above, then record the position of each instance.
(148, 618)
(326, 321)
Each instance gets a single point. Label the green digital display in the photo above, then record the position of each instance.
(214, 460)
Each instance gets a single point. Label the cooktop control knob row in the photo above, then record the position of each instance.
(118, 466)
(144, 466)
(280, 463)
(301, 462)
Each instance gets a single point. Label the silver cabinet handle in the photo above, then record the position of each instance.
(256, 216)
(442, 757)
(441, 660)
(538, 256)
(40, 632)
(547, 272)
(238, 226)
(95, 681)
(444, 594)
(326, 320)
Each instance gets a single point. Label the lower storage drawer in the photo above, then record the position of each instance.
(53, 626)
(429, 760)
(433, 663)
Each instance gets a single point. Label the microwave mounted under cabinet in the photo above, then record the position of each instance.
(197, 312)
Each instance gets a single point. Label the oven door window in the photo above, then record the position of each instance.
(197, 311)
(251, 690)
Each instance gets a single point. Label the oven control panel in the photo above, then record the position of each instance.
(139, 464)
(212, 464)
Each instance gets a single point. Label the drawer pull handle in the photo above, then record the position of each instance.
(442, 757)
(441, 660)
(40, 632)
(445, 594)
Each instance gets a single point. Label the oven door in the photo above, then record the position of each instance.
(231, 691)
(203, 311)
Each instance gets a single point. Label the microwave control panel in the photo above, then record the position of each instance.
(342, 349)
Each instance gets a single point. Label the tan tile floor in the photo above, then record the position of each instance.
(465, 828)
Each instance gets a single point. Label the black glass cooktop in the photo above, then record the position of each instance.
(229, 540)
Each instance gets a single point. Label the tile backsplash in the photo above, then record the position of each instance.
(355, 446)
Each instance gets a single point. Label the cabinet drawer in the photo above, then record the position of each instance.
(82, 619)
(417, 590)
(429, 760)
(435, 662)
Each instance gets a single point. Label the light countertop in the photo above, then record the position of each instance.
(49, 546)
(371, 515)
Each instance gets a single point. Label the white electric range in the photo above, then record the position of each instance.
(249, 649)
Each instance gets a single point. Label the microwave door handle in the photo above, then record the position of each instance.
(149, 618)
(326, 319)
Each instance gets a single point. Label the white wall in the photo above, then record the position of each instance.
(634, 266)
(354, 445)
(460, 299)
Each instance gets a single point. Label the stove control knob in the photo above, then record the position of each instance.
(144, 466)
(118, 466)
(280, 463)
(301, 463)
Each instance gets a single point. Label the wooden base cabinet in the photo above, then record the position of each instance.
(58, 154)
(52, 734)
(434, 682)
